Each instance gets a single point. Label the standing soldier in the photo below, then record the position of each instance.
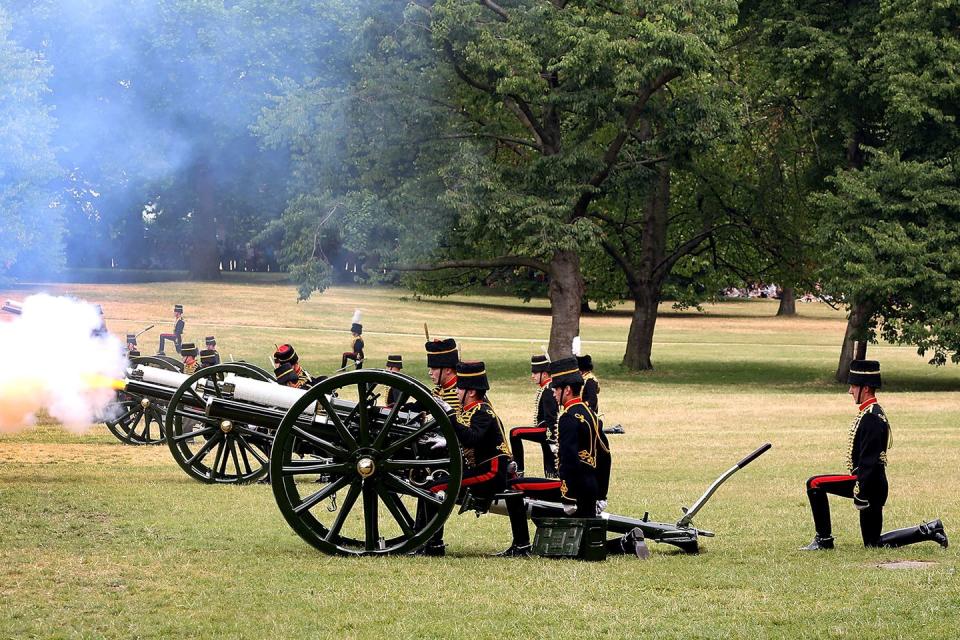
(486, 458)
(189, 352)
(866, 478)
(442, 359)
(287, 355)
(177, 336)
(544, 429)
(210, 356)
(395, 365)
(356, 346)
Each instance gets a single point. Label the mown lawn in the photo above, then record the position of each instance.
(98, 539)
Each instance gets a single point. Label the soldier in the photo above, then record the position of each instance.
(583, 457)
(442, 359)
(287, 355)
(394, 364)
(486, 458)
(866, 478)
(591, 386)
(177, 336)
(356, 346)
(101, 330)
(132, 350)
(189, 352)
(210, 356)
(544, 428)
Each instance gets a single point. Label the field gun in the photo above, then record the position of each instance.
(346, 470)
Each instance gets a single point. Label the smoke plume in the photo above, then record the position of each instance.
(53, 359)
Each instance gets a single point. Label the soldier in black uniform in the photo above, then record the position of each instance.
(442, 360)
(210, 356)
(287, 355)
(583, 458)
(486, 458)
(591, 386)
(132, 350)
(544, 427)
(866, 478)
(190, 353)
(356, 346)
(177, 336)
(394, 364)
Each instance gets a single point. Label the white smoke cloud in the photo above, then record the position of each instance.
(50, 359)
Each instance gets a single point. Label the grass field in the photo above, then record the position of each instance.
(98, 539)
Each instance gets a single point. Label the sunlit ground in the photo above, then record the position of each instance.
(99, 539)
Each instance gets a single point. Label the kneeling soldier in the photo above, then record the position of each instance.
(177, 336)
(486, 458)
(866, 477)
(584, 455)
(132, 350)
(544, 429)
(356, 346)
(394, 365)
(210, 356)
(287, 355)
(189, 352)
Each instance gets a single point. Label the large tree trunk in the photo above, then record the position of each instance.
(566, 292)
(855, 338)
(788, 303)
(204, 256)
(646, 287)
(640, 338)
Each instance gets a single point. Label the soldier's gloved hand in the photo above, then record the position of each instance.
(554, 448)
(439, 442)
(569, 509)
(601, 506)
(860, 503)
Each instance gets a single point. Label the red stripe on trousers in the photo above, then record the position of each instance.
(516, 431)
(489, 475)
(816, 482)
(534, 486)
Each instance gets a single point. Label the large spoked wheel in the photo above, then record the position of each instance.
(135, 420)
(209, 449)
(385, 459)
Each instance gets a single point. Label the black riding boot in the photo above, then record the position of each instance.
(927, 532)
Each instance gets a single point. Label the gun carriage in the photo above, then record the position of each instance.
(347, 470)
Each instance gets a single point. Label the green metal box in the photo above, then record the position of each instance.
(584, 538)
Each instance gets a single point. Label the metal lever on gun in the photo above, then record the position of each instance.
(688, 514)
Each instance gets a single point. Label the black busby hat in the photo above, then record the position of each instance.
(285, 374)
(585, 363)
(208, 356)
(539, 363)
(131, 338)
(442, 354)
(356, 328)
(178, 308)
(133, 353)
(565, 372)
(472, 375)
(865, 373)
(210, 340)
(395, 361)
(189, 349)
(99, 308)
(286, 353)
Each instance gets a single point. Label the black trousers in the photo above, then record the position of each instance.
(485, 479)
(172, 337)
(350, 355)
(533, 434)
(871, 518)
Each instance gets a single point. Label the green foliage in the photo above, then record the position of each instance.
(30, 221)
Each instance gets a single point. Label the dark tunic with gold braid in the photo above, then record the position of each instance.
(583, 457)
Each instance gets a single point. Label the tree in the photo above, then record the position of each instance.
(879, 83)
(30, 223)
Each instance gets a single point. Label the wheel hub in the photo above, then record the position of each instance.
(366, 467)
(226, 426)
(145, 403)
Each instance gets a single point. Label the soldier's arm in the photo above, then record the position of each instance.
(873, 441)
(548, 413)
(569, 447)
(590, 395)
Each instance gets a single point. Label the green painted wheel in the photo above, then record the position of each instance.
(136, 420)
(379, 456)
(240, 451)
